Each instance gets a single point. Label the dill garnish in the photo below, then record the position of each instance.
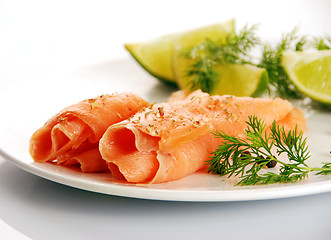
(321, 43)
(271, 61)
(272, 57)
(207, 54)
(246, 158)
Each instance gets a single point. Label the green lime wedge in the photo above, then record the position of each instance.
(232, 79)
(310, 72)
(156, 56)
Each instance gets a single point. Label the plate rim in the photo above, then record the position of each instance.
(173, 194)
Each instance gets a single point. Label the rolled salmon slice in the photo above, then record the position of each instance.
(168, 141)
(72, 136)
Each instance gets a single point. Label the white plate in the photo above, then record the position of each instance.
(27, 105)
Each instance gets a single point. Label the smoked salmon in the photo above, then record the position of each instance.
(168, 141)
(72, 136)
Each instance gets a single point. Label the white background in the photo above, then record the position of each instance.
(44, 38)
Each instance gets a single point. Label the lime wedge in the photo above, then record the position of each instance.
(241, 80)
(156, 56)
(233, 79)
(310, 72)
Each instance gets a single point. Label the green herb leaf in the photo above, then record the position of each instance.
(321, 43)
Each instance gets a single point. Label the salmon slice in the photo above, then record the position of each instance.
(72, 136)
(168, 141)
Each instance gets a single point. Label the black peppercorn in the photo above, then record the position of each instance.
(272, 163)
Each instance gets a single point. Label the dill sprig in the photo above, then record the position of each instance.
(271, 61)
(322, 43)
(246, 158)
(207, 54)
(272, 57)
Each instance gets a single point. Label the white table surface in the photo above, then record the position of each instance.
(41, 38)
